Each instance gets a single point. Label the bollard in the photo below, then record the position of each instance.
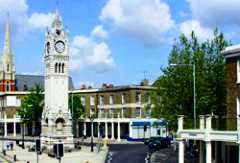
(14, 157)
(4, 152)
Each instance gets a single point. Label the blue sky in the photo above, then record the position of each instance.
(114, 41)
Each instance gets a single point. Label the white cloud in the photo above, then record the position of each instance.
(215, 13)
(41, 20)
(147, 21)
(17, 10)
(100, 32)
(201, 32)
(87, 54)
(22, 23)
(13, 6)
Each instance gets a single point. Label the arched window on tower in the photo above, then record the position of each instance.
(63, 68)
(48, 47)
(8, 86)
(56, 67)
(8, 67)
(59, 67)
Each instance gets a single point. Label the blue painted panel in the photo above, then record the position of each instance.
(159, 123)
(141, 123)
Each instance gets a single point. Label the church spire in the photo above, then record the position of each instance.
(7, 42)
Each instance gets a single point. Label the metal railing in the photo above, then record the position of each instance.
(224, 123)
(188, 123)
(218, 123)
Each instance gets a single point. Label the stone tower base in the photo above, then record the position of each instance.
(48, 142)
(52, 134)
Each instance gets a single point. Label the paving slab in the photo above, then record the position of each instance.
(82, 156)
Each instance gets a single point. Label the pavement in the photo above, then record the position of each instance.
(82, 156)
(127, 153)
(109, 141)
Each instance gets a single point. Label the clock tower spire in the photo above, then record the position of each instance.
(56, 117)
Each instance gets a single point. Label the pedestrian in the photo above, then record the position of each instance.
(11, 145)
(175, 147)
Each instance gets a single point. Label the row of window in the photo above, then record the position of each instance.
(137, 113)
(111, 99)
(59, 67)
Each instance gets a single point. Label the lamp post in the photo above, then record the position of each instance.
(23, 131)
(2, 128)
(194, 88)
(91, 117)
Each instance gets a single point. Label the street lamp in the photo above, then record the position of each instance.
(194, 88)
(23, 131)
(2, 129)
(91, 117)
(73, 120)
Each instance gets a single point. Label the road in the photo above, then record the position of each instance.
(169, 155)
(127, 153)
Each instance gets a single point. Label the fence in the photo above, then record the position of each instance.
(221, 123)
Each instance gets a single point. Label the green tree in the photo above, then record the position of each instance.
(32, 107)
(175, 85)
(77, 111)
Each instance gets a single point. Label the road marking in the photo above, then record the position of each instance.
(109, 157)
(147, 158)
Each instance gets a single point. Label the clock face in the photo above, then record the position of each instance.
(60, 46)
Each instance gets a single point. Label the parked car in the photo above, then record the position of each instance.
(154, 144)
(147, 141)
(165, 141)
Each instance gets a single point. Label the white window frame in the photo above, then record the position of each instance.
(138, 112)
(101, 100)
(123, 99)
(138, 98)
(92, 110)
(83, 100)
(237, 106)
(148, 112)
(123, 111)
(238, 71)
(92, 100)
(111, 100)
(149, 100)
(111, 112)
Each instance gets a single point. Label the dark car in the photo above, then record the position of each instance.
(165, 141)
(147, 141)
(154, 144)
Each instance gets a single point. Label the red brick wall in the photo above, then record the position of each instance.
(4, 83)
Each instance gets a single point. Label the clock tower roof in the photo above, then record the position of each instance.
(57, 22)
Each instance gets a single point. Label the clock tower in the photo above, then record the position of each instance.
(56, 117)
